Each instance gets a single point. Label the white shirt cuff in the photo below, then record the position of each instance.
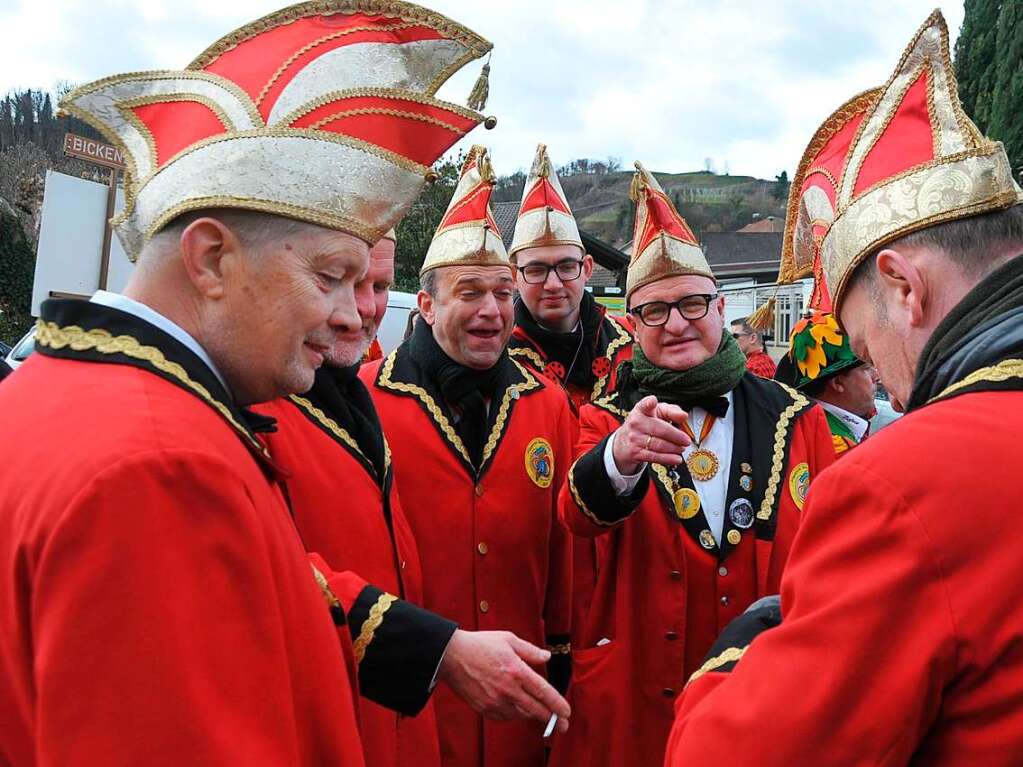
(623, 484)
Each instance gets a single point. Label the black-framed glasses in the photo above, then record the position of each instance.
(567, 270)
(737, 336)
(692, 308)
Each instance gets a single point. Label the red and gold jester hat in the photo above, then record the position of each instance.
(468, 233)
(322, 112)
(544, 216)
(663, 245)
(914, 160)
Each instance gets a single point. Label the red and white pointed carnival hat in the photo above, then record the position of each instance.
(544, 216)
(913, 159)
(663, 245)
(322, 112)
(468, 233)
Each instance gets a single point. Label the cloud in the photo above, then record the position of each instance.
(669, 82)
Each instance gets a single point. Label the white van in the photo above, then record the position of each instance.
(392, 329)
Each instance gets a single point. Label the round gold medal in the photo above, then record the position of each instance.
(703, 464)
(687, 503)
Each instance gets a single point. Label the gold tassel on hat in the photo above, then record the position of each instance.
(486, 168)
(636, 187)
(481, 90)
(763, 318)
(544, 171)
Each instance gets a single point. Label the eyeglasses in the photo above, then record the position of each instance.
(536, 274)
(691, 308)
(740, 335)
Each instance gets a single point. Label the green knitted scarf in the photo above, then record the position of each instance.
(711, 378)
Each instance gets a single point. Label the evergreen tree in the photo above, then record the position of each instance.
(1006, 121)
(989, 68)
(18, 259)
(416, 230)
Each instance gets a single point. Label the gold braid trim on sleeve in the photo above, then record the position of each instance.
(731, 655)
(560, 649)
(372, 623)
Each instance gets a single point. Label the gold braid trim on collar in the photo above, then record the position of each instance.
(799, 402)
(339, 431)
(1003, 371)
(385, 381)
(52, 335)
(623, 339)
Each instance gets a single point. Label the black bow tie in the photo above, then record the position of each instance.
(716, 406)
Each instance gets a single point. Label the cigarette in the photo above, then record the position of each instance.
(550, 725)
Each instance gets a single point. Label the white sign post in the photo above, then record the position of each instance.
(69, 261)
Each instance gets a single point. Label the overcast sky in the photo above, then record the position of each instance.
(667, 82)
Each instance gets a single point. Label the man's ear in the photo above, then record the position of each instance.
(425, 301)
(204, 245)
(835, 384)
(587, 267)
(901, 284)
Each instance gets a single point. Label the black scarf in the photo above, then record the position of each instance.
(464, 388)
(981, 330)
(574, 350)
(341, 394)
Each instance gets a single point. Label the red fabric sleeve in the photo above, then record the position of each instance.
(594, 426)
(867, 639)
(157, 623)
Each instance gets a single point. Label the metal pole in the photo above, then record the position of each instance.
(104, 256)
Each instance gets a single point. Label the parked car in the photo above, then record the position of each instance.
(22, 349)
(886, 414)
(392, 329)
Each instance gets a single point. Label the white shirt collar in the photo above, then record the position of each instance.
(857, 424)
(153, 317)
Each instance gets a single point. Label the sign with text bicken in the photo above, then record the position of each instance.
(93, 151)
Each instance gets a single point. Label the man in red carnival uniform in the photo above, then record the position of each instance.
(480, 444)
(695, 471)
(559, 329)
(751, 343)
(902, 639)
(343, 496)
(157, 605)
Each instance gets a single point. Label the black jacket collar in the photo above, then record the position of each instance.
(765, 414)
(80, 330)
(400, 375)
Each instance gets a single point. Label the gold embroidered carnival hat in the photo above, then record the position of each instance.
(914, 160)
(468, 233)
(663, 245)
(544, 216)
(323, 112)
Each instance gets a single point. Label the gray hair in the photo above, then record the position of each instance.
(428, 283)
(254, 229)
(966, 242)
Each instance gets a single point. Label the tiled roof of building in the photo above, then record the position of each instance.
(769, 224)
(736, 254)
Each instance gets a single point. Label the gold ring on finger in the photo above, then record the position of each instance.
(649, 439)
